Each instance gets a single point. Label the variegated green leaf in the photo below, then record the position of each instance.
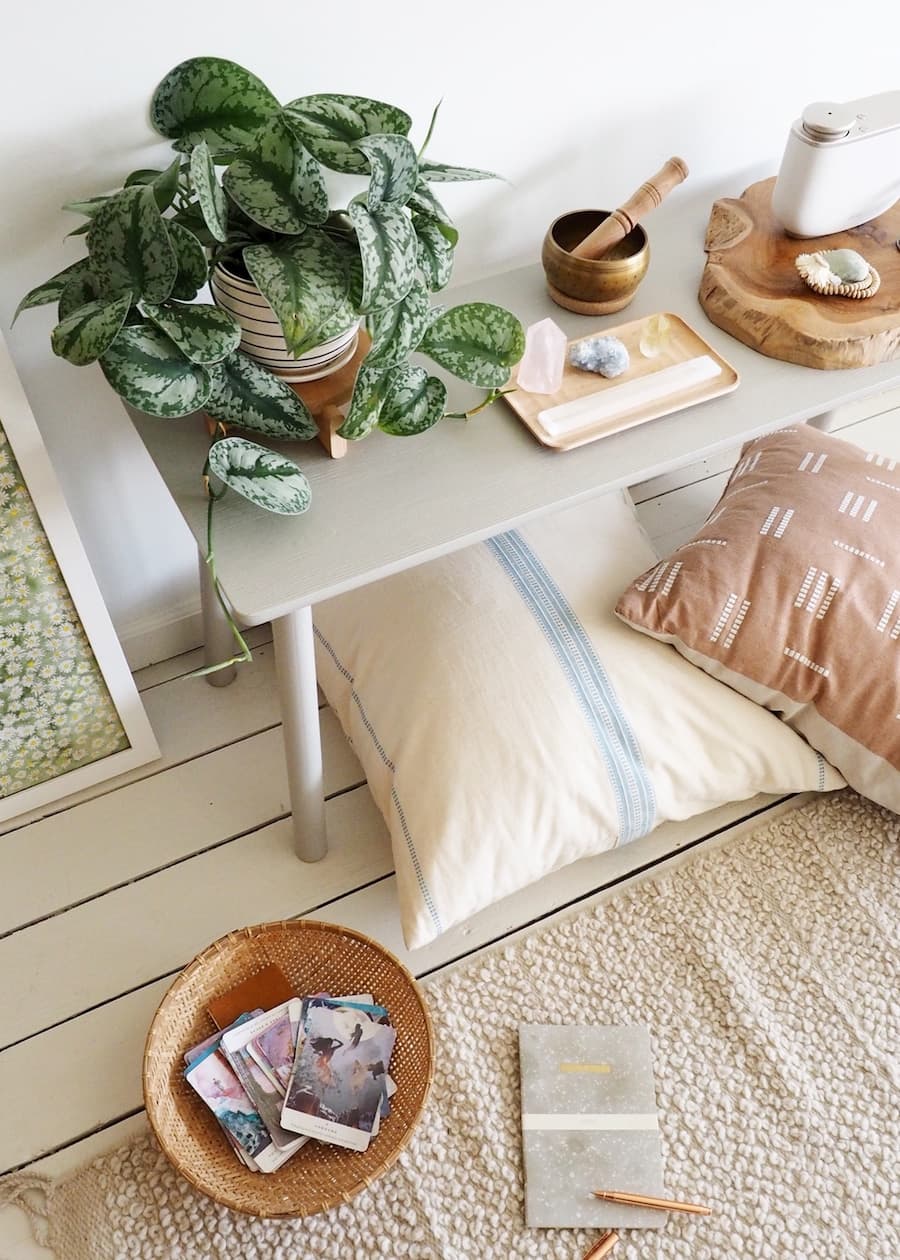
(165, 185)
(241, 225)
(266, 479)
(88, 208)
(148, 370)
(414, 401)
(441, 173)
(365, 405)
(348, 247)
(330, 126)
(146, 175)
(398, 329)
(394, 167)
(277, 182)
(424, 202)
(191, 218)
(478, 342)
(435, 314)
(80, 290)
(211, 99)
(387, 246)
(51, 290)
(204, 334)
(210, 194)
(431, 126)
(130, 247)
(85, 334)
(306, 283)
(193, 269)
(435, 252)
(447, 230)
(246, 395)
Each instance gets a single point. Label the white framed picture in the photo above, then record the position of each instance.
(70, 714)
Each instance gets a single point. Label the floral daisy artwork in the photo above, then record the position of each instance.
(56, 713)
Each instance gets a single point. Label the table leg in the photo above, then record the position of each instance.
(295, 662)
(827, 421)
(218, 640)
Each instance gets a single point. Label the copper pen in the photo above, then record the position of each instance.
(644, 1200)
(602, 1247)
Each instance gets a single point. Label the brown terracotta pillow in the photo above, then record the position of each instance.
(790, 593)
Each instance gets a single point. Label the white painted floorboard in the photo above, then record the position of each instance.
(104, 896)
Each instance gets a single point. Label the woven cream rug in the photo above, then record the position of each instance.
(767, 971)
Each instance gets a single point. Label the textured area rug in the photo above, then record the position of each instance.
(767, 971)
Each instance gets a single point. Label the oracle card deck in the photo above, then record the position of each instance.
(316, 1068)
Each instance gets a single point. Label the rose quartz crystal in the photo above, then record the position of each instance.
(541, 368)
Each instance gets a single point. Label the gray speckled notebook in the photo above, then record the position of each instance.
(589, 1122)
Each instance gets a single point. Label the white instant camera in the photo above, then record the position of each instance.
(841, 165)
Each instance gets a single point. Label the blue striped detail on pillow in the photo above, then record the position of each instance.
(821, 763)
(413, 855)
(635, 798)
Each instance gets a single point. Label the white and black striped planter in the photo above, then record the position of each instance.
(262, 338)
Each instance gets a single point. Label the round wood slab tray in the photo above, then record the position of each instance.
(752, 290)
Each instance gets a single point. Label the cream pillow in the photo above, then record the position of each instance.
(509, 724)
(790, 593)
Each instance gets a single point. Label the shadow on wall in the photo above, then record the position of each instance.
(52, 173)
(597, 166)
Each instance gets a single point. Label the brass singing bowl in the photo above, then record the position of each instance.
(592, 286)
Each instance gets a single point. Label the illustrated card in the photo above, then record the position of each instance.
(213, 1079)
(198, 1052)
(265, 1095)
(273, 1051)
(212, 1041)
(339, 1080)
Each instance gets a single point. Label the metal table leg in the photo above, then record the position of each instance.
(827, 421)
(218, 641)
(295, 663)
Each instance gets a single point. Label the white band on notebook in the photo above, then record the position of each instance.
(596, 1121)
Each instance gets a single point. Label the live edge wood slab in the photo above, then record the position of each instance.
(751, 288)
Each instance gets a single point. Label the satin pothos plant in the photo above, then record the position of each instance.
(246, 187)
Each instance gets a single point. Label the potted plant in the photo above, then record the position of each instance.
(244, 204)
(245, 198)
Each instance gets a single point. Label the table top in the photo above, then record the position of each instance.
(392, 503)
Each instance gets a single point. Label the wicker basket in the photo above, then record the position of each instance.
(315, 957)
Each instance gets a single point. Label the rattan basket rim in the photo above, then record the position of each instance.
(156, 1043)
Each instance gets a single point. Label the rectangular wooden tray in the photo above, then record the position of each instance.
(680, 344)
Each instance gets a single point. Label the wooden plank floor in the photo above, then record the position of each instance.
(106, 896)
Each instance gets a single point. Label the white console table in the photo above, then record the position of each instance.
(392, 503)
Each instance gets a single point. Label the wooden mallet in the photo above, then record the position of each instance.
(617, 226)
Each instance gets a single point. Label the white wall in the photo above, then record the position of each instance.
(575, 102)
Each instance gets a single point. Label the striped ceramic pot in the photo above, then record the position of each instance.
(262, 338)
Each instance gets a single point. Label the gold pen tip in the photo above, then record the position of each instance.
(602, 1247)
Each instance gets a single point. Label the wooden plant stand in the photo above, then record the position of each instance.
(751, 288)
(325, 396)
